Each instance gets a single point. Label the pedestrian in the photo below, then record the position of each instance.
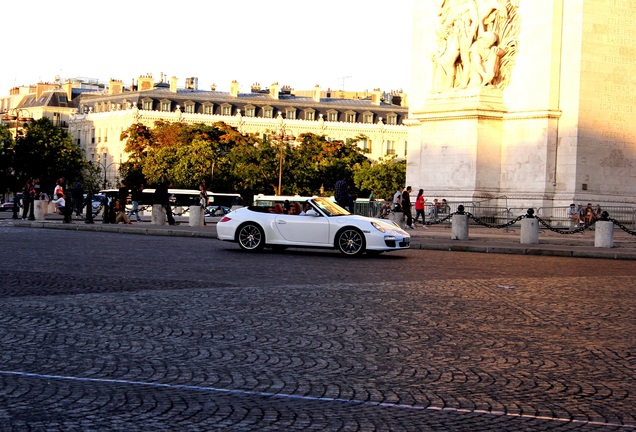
(397, 200)
(122, 195)
(136, 193)
(406, 207)
(342, 195)
(77, 195)
(372, 204)
(162, 196)
(420, 202)
(60, 203)
(203, 200)
(28, 201)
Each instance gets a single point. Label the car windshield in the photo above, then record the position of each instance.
(330, 208)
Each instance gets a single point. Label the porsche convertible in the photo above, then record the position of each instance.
(323, 224)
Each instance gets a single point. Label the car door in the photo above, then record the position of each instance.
(310, 230)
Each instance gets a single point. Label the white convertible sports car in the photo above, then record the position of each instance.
(323, 225)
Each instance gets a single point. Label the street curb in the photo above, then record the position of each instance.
(567, 251)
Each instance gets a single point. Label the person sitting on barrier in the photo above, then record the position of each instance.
(443, 207)
(435, 209)
(597, 212)
(573, 215)
(589, 214)
(121, 214)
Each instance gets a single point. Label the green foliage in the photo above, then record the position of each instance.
(7, 180)
(46, 152)
(383, 176)
(228, 161)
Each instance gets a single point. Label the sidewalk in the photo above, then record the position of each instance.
(437, 237)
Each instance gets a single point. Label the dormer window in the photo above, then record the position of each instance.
(290, 113)
(166, 105)
(208, 108)
(147, 104)
(226, 109)
(250, 111)
(367, 117)
(310, 114)
(350, 116)
(268, 112)
(332, 115)
(391, 119)
(188, 107)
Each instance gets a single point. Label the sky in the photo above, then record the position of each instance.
(339, 44)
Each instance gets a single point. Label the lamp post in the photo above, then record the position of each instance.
(17, 115)
(105, 165)
(283, 138)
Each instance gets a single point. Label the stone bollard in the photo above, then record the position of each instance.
(398, 218)
(604, 234)
(459, 227)
(529, 231)
(196, 216)
(158, 215)
(40, 209)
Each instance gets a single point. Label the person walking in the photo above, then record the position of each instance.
(420, 202)
(406, 207)
(135, 198)
(203, 200)
(77, 197)
(343, 196)
(162, 196)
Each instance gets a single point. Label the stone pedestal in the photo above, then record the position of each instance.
(604, 234)
(40, 209)
(398, 218)
(196, 216)
(529, 231)
(460, 227)
(158, 215)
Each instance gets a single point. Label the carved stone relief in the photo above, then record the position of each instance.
(616, 159)
(476, 43)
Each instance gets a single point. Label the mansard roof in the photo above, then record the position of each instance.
(184, 96)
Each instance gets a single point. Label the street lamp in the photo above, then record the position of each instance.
(283, 138)
(104, 165)
(17, 115)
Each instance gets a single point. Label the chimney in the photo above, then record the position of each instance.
(173, 84)
(234, 88)
(376, 96)
(274, 90)
(145, 83)
(115, 87)
(192, 83)
(316, 93)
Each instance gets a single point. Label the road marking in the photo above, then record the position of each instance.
(309, 398)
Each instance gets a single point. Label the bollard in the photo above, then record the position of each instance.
(398, 218)
(158, 215)
(604, 234)
(40, 209)
(459, 224)
(529, 231)
(196, 216)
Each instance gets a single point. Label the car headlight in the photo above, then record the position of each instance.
(378, 226)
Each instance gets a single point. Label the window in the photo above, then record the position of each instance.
(365, 144)
(367, 117)
(391, 119)
(147, 104)
(268, 112)
(166, 105)
(332, 116)
(350, 116)
(250, 111)
(226, 109)
(390, 147)
(208, 108)
(290, 113)
(310, 114)
(188, 107)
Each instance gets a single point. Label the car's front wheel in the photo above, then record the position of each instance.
(350, 241)
(251, 237)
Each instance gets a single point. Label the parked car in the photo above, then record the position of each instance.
(8, 206)
(323, 225)
(216, 211)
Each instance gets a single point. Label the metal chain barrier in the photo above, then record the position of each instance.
(530, 214)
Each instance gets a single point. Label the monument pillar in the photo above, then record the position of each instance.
(527, 100)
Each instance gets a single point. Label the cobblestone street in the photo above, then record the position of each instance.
(110, 332)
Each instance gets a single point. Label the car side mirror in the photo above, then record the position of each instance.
(311, 213)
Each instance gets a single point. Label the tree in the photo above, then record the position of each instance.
(383, 176)
(47, 152)
(7, 179)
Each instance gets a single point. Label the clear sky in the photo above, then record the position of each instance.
(358, 44)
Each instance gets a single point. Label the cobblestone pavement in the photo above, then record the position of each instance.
(111, 332)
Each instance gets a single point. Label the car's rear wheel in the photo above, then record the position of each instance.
(350, 241)
(251, 237)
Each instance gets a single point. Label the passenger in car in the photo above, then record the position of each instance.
(296, 209)
(278, 209)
